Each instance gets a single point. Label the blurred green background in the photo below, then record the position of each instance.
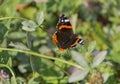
(94, 20)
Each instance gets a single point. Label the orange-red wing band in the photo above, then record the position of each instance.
(62, 50)
(74, 44)
(54, 37)
(65, 26)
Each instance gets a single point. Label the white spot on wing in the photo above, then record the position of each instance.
(67, 20)
(62, 20)
(81, 41)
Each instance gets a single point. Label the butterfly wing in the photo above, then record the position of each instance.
(64, 37)
(64, 32)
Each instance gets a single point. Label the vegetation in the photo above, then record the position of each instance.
(29, 56)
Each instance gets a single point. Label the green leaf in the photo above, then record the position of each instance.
(29, 12)
(20, 80)
(4, 57)
(105, 77)
(40, 18)
(91, 46)
(44, 49)
(3, 30)
(32, 81)
(74, 21)
(13, 81)
(78, 75)
(18, 45)
(4, 81)
(29, 25)
(99, 58)
(52, 74)
(79, 58)
(9, 63)
(46, 68)
(114, 56)
(22, 68)
(16, 35)
(64, 80)
(116, 44)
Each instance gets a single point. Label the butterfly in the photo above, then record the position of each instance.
(64, 37)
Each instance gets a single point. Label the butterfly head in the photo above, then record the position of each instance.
(63, 20)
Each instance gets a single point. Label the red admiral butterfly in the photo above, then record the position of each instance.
(64, 37)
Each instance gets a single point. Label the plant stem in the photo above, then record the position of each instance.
(43, 56)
